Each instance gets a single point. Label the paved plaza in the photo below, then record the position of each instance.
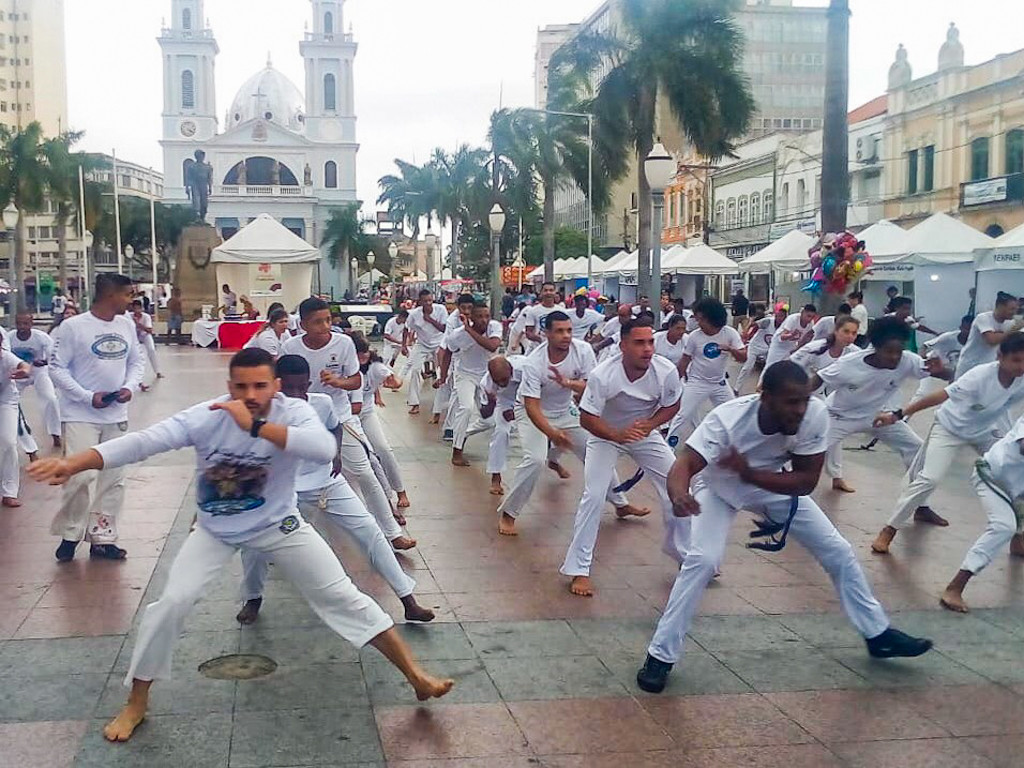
(773, 674)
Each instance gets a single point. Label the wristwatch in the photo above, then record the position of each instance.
(257, 425)
(898, 413)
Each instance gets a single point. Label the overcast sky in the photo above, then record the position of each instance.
(428, 72)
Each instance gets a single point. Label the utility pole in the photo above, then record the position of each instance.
(835, 191)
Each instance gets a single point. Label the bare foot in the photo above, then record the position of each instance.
(881, 543)
(403, 500)
(929, 516)
(436, 419)
(403, 542)
(250, 611)
(123, 726)
(400, 518)
(838, 484)
(507, 525)
(582, 586)
(34, 456)
(1017, 545)
(630, 511)
(559, 470)
(496, 489)
(10, 501)
(414, 410)
(953, 600)
(458, 460)
(416, 612)
(428, 687)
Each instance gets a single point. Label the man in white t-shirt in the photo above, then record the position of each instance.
(535, 323)
(427, 323)
(471, 346)
(735, 460)
(13, 372)
(607, 339)
(987, 332)
(228, 299)
(671, 343)
(584, 319)
(859, 312)
(394, 331)
(248, 447)
(824, 326)
(496, 396)
(443, 402)
(759, 335)
(35, 347)
(945, 348)
(96, 365)
(795, 331)
(626, 400)
(545, 411)
(702, 367)
(144, 330)
(974, 413)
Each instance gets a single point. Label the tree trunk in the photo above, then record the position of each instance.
(835, 191)
(62, 250)
(644, 281)
(549, 231)
(455, 248)
(19, 263)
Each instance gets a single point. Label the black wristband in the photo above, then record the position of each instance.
(257, 425)
(898, 413)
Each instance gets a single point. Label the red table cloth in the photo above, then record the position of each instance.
(234, 335)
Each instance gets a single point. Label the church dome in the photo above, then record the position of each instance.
(269, 95)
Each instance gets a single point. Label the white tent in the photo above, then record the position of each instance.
(611, 265)
(369, 278)
(941, 239)
(886, 242)
(787, 254)
(1000, 267)
(699, 260)
(267, 262)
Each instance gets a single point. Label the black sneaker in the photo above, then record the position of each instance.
(653, 676)
(66, 551)
(107, 552)
(893, 644)
(449, 435)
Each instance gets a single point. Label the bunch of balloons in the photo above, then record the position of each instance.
(837, 261)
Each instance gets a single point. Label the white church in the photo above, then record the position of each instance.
(277, 152)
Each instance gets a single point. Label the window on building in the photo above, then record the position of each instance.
(768, 207)
(755, 208)
(331, 175)
(744, 211)
(929, 169)
(730, 213)
(328, 23)
(330, 93)
(31, 233)
(1015, 151)
(912, 172)
(801, 195)
(979, 158)
(186, 19)
(720, 214)
(188, 90)
(784, 198)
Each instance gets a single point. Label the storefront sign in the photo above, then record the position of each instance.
(987, 191)
(266, 280)
(807, 226)
(893, 272)
(1001, 259)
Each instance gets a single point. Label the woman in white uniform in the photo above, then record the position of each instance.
(820, 354)
(273, 334)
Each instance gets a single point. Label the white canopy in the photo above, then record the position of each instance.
(373, 276)
(699, 260)
(1005, 252)
(941, 239)
(264, 241)
(611, 265)
(572, 268)
(788, 253)
(886, 242)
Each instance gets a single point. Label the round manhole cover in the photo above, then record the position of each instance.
(238, 666)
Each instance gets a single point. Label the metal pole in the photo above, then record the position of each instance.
(522, 256)
(654, 287)
(495, 274)
(152, 248)
(117, 214)
(590, 201)
(83, 275)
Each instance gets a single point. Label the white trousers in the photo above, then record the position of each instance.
(90, 501)
(695, 394)
(10, 478)
(150, 346)
(374, 431)
(355, 463)
(748, 368)
(1000, 528)
(26, 442)
(535, 457)
(497, 449)
(930, 465)
(345, 512)
(443, 399)
(47, 397)
(652, 455)
(899, 436)
(463, 406)
(302, 555)
(708, 536)
(418, 355)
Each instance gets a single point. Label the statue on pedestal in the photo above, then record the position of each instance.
(199, 183)
(307, 176)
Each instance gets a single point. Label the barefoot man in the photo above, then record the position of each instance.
(545, 411)
(426, 323)
(35, 347)
(471, 346)
(248, 446)
(497, 396)
(735, 460)
(626, 400)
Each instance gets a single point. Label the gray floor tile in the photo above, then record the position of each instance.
(430, 641)
(473, 685)
(564, 677)
(188, 692)
(59, 656)
(1001, 663)
(743, 633)
(304, 737)
(525, 638)
(698, 673)
(1008, 619)
(329, 685)
(932, 669)
(629, 635)
(947, 628)
(824, 631)
(65, 697)
(791, 669)
(298, 646)
(191, 649)
(162, 741)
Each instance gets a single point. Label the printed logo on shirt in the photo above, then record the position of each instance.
(110, 346)
(978, 407)
(767, 338)
(233, 485)
(712, 350)
(289, 524)
(25, 354)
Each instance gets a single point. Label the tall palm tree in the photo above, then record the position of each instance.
(410, 196)
(23, 182)
(62, 188)
(459, 177)
(687, 53)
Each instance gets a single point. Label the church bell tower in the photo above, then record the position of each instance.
(329, 53)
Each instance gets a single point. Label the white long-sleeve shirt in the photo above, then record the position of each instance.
(245, 484)
(93, 355)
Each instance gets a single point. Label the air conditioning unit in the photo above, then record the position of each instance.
(867, 149)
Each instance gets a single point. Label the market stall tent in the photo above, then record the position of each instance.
(787, 254)
(1000, 267)
(700, 260)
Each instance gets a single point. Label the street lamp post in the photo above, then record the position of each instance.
(83, 285)
(431, 240)
(129, 254)
(392, 271)
(659, 168)
(496, 220)
(10, 217)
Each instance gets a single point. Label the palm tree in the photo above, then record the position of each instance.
(410, 197)
(686, 53)
(459, 177)
(23, 182)
(62, 188)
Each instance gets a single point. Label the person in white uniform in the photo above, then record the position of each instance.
(320, 485)
(821, 353)
(13, 371)
(859, 312)
(758, 339)
(497, 401)
(335, 369)
(248, 447)
(862, 385)
(999, 482)
(394, 331)
(735, 460)
(671, 343)
(795, 331)
(144, 330)
(825, 325)
(426, 322)
(702, 367)
(585, 320)
(987, 332)
(974, 414)
(472, 346)
(945, 348)
(545, 411)
(626, 400)
(35, 347)
(443, 402)
(606, 340)
(274, 334)
(96, 366)
(536, 316)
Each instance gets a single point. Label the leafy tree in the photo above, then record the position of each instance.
(23, 171)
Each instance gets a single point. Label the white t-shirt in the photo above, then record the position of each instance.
(860, 391)
(707, 360)
(142, 323)
(267, 340)
(294, 323)
(762, 338)
(536, 316)
(807, 356)
(471, 359)
(612, 329)
(945, 347)
(780, 348)
(735, 425)
(620, 402)
(665, 348)
(8, 387)
(58, 305)
(229, 300)
(504, 397)
(93, 355)
(38, 346)
(824, 327)
(978, 402)
(426, 334)
(537, 378)
(244, 485)
(373, 377)
(314, 475)
(338, 357)
(978, 351)
(860, 314)
(394, 329)
(1007, 462)
(581, 326)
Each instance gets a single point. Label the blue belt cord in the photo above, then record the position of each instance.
(769, 529)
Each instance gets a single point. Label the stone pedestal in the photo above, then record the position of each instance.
(195, 274)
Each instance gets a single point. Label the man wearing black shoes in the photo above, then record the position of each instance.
(734, 461)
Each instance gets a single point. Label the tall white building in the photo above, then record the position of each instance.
(279, 150)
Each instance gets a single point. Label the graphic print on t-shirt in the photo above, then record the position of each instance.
(25, 354)
(234, 484)
(712, 350)
(110, 346)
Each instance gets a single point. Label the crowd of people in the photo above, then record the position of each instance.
(299, 433)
